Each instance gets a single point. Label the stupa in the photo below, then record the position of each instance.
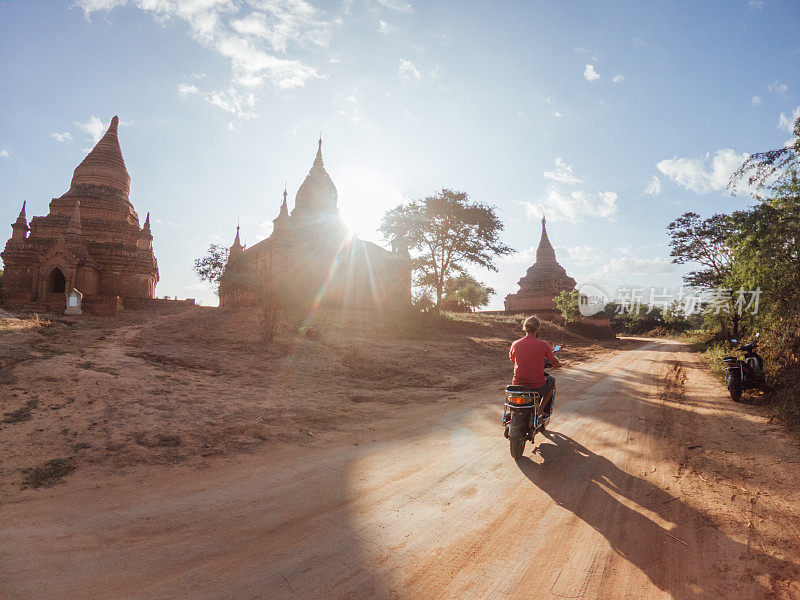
(312, 247)
(90, 240)
(544, 280)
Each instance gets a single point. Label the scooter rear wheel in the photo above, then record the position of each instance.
(735, 386)
(517, 446)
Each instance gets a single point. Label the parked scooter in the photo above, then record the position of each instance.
(523, 413)
(744, 374)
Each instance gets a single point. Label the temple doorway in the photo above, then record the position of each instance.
(56, 282)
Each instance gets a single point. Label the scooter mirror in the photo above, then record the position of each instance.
(734, 340)
(557, 348)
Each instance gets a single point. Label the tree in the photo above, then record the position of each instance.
(766, 243)
(211, 266)
(567, 303)
(769, 169)
(467, 290)
(707, 243)
(448, 231)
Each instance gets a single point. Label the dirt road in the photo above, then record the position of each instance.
(651, 484)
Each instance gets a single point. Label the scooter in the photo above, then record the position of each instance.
(523, 414)
(744, 374)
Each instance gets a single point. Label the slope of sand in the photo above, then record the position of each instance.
(187, 386)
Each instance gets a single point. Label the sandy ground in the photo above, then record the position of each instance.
(650, 484)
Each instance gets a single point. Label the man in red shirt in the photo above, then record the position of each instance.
(528, 356)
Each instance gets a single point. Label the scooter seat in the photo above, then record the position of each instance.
(522, 388)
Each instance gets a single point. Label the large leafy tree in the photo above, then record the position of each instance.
(447, 231)
(766, 242)
(706, 242)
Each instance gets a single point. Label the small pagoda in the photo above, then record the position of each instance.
(544, 280)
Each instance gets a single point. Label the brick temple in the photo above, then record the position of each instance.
(90, 240)
(312, 247)
(544, 280)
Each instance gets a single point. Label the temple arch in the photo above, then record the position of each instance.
(56, 282)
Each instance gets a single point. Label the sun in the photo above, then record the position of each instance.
(365, 194)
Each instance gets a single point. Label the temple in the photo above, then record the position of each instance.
(311, 250)
(544, 280)
(90, 240)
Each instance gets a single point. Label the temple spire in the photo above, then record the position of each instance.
(20, 229)
(104, 165)
(545, 251)
(21, 219)
(75, 220)
(237, 245)
(146, 226)
(282, 223)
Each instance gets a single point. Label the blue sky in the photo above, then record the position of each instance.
(613, 117)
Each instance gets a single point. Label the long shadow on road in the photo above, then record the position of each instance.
(586, 484)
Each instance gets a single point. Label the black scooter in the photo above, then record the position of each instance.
(744, 374)
(523, 414)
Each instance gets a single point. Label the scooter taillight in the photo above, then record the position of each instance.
(512, 399)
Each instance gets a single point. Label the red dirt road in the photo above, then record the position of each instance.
(652, 484)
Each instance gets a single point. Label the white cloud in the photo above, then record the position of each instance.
(787, 123)
(407, 70)
(582, 255)
(334, 61)
(653, 186)
(94, 127)
(778, 87)
(185, 89)
(398, 5)
(628, 265)
(562, 173)
(349, 106)
(587, 53)
(234, 101)
(617, 78)
(237, 102)
(757, 4)
(589, 74)
(384, 27)
(62, 137)
(4, 153)
(755, 100)
(283, 23)
(704, 174)
(574, 206)
(90, 6)
(255, 37)
(557, 114)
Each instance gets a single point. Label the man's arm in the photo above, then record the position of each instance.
(551, 356)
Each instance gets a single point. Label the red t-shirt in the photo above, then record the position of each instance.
(528, 354)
